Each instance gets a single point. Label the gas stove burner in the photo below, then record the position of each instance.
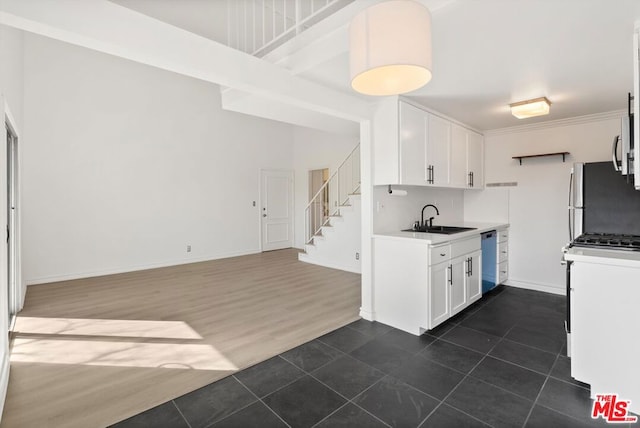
(608, 240)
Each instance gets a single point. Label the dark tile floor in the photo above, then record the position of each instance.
(502, 362)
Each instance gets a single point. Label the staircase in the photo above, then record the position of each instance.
(332, 219)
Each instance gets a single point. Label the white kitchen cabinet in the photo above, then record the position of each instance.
(467, 148)
(457, 284)
(401, 275)
(419, 286)
(453, 284)
(502, 256)
(424, 147)
(473, 276)
(459, 176)
(438, 151)
(475, 160)
(439, 304)
(413, 145)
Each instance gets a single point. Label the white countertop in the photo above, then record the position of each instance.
(604, 256)
(441, 238)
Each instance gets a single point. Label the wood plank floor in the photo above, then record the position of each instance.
(91, 352)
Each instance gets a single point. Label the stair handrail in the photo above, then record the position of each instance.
(339, 202)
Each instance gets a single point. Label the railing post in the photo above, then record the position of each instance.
(298, 16)
(338, 192)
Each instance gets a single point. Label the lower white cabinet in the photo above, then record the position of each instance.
(439, 294)
(474, 276)
(502, 256)
(418, 286)
(455, 283)
(457, 286)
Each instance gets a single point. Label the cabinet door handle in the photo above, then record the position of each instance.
(470, 266)
(472, 179)
(450, 280)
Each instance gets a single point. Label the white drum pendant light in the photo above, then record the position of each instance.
(390, 48)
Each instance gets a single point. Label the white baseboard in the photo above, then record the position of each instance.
(367, 315)
(547, 288)
(4, 382)
(57, 278)
(330, 265)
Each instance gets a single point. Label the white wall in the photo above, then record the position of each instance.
(11, 70)
(314, 149)
(11, 96)
(394, 213)
(537, 207)
(127, 164)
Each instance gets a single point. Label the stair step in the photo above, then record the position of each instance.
(328, 229)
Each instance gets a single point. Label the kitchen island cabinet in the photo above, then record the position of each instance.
(422, 279)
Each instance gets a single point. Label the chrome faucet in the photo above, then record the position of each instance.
(422, 224)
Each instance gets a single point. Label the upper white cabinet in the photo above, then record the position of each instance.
(466, 158)
(475, 160)
(438, 151)
(415, 147)
(459, 177)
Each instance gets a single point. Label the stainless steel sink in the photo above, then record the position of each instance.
(446, 230)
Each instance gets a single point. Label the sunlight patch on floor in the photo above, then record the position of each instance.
(106, 327)
(119, 354)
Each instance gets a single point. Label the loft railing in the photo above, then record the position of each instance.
(259, 26)
(333, 194)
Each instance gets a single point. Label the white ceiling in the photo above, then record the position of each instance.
(489, 53)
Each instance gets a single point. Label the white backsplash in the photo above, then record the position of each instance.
(394, 213)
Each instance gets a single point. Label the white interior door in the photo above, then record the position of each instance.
(12, 163)
(276, 196)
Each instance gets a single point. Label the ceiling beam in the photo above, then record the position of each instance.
(107, 27)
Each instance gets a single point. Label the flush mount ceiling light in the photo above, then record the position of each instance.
(530, 108)
(390, 48)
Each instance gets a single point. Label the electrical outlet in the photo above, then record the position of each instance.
(254, 203)
(357, 256)
(188, 248)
